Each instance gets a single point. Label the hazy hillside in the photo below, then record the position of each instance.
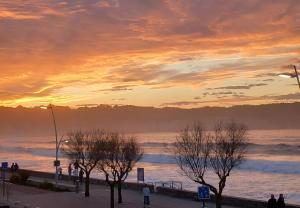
(35, 121)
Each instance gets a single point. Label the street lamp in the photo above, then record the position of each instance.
(57, 143)
(291, 75)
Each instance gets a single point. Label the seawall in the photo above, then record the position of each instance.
(227, 200)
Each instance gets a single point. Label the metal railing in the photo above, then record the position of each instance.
(169, 184)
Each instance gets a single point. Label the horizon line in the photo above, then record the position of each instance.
(90, 106)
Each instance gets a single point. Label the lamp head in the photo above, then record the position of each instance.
(287, 75)
(46, 107)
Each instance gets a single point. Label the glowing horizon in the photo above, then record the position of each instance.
(148, 53)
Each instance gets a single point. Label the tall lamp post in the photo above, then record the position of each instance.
(57, 143)
(291, 75)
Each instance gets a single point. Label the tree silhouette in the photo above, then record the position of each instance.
(85, 149)
(120, 156)
(198, 150)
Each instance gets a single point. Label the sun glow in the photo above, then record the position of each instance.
(115, 56)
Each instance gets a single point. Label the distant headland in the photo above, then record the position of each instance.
(35, 121)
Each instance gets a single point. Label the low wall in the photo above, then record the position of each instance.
(126, 185)
(227, 200)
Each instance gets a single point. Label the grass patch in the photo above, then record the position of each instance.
(47, 186)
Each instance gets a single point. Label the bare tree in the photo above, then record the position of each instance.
(130, 153)
(85, 148)
(228, 151)
(107, 165)
(192, 152)
(120, 156)
(225, 149)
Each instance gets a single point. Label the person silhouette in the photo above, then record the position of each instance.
(16, 167)
(70, 170)
(81, 173)
(280, 201)
(272, 202)
(12, 167)
(146, 192)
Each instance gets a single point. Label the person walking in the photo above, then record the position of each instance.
(75, 176)
(70, 170)
(60, 175)
(12, 167)
(272, 202)
(146, 192)
(280, 201)
(76, 165)
(81, 176)
(16, 167)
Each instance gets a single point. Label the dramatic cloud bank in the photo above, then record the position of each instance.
(160, 53)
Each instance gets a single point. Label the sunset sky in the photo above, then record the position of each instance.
(182, 53)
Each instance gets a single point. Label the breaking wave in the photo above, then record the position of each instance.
(267, 166)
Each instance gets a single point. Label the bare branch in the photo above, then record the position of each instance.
(85, 148)
(121, 153)
(196, 151)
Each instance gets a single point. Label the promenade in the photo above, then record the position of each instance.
(21, 196)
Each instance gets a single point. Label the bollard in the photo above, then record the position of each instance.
(77, 186)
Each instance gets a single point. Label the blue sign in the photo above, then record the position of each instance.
(4, 165)
(203, 192)
(140, 174)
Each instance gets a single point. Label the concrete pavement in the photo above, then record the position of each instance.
(100, 198)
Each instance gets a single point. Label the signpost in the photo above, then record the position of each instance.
(56, 163)
(203, 194)
(4, 166)
(140, 174)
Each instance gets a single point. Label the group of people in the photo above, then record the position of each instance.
(14, 167)
(273, 203)
(75, 173)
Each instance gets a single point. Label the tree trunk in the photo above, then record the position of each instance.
(87, 184)
(218, 200)
(112, 196)
(120, 199)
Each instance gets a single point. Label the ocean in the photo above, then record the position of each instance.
(272, 165)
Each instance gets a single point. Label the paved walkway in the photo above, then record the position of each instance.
(100, 195)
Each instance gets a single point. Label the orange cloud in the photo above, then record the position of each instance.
(73, 49)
